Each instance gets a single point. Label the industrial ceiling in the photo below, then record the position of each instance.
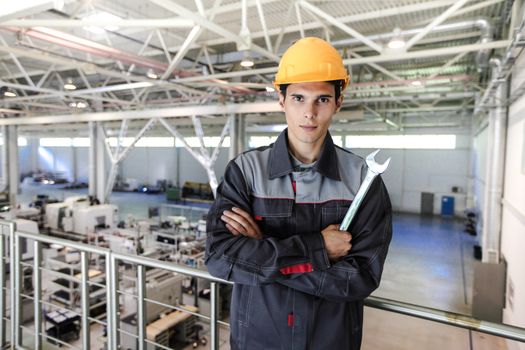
(140, 59)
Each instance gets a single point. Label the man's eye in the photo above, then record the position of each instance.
(297, 98)
(324, 100)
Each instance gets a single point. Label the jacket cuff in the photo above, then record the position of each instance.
(317, 251)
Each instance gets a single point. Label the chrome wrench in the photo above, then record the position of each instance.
(374, 169)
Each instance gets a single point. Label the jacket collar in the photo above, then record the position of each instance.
(280, 163)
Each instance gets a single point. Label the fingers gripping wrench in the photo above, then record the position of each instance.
(374, 169)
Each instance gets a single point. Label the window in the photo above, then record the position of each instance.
(55, 142)
(402, 141)
(22, 141)
(338, 140)
(209, 141)
(81, 142)
(259, 141)
(124, 142)
(155, 142)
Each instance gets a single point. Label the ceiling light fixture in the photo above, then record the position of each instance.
(9, 93)
(69, 84)
(79, 104)
(270, 89)
(247, 62)
(417, 83)
(397, 41)
(151, 74)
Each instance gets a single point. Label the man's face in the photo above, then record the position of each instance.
(309, 108)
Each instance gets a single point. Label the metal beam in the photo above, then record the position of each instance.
(176, 8)
(175, 22)
(381, 69)
(467, 9)
(341, 25)
(192, 37)
(216, 109)
(448, 64)
(447, 51)
(118, 156)
(16, 9)
(37, 55)
(440, 19)
(263, 25)
(299, 19)
(394, 11)
(48, 93)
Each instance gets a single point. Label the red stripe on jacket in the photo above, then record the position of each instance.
(299, 268)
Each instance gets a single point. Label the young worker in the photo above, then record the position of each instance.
(273, 229)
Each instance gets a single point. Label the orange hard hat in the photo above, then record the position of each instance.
(309, 60)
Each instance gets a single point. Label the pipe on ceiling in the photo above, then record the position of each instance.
(84, 45)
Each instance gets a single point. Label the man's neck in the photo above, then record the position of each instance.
(305, 152)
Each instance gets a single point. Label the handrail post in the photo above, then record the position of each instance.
(141, 306)
(84, 267)
(2, 285)
(37, 289)
(214, 332)
(17, 272)
(109, 303)
(12, 291)
(113, 301)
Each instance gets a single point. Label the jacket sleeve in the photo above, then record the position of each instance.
(359, 273)
(250, 261)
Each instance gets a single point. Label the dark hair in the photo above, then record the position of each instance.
(338, 84)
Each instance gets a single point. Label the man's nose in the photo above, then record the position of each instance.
(310, 111)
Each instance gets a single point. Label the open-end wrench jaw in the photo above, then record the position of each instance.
(374, 166)
(374, 169)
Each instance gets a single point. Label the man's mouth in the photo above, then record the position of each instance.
(308, 127)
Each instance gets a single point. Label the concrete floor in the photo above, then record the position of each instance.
(430, 263)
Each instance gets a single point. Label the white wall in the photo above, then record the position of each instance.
(410, 172)
(413, 171)
(513, 222)
(479, 166)
(145, 164)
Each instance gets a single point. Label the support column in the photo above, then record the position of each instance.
(34, 143)
(11, 141)
(241, 140)
(100, 168)
(92, 177)
(491, 234)
(237, 135)
(5, 175)
(74, 163)
(234, 150)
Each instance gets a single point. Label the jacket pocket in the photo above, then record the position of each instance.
(333, 213)
(274, 216)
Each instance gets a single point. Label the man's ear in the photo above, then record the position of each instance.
(339, 103)
(281, 100)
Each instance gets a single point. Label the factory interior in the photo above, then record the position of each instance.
(119, 118)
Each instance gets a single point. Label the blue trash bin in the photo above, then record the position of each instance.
(447, 206)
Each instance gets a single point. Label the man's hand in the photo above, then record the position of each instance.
(240, 222)
(337, 243)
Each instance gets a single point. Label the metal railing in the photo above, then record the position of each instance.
(11, 238)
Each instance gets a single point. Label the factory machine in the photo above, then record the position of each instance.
(162, 322)
(76, 215)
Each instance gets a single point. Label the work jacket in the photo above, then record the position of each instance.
(287, 294)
